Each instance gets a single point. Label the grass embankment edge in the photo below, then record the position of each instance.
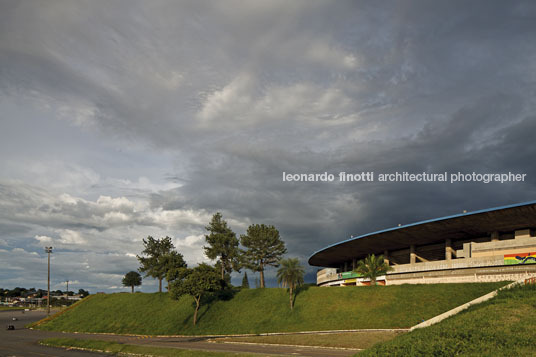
(59, 313)
(358, 340)
(132, 350)
(9, 308)
(502, 326)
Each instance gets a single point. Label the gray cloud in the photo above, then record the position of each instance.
(132, 119)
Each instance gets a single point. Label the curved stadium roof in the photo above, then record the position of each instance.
(466, 225)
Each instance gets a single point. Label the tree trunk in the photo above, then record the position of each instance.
(222, 271)
(132, 289)
(262, 275)
(160, 285)
(291, 301)
(197, 300)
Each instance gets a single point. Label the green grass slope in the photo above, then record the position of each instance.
(267, 310)
(503, 326)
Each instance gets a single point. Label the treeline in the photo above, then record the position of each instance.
(261, 247)
(258, 249)
(37, 293)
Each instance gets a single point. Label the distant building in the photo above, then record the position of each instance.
(496, 244)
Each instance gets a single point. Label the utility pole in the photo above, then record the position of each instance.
(67, 287)
(48, 250)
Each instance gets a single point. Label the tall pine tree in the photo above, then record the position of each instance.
(264, 248)
(222, 245)
(158, 257)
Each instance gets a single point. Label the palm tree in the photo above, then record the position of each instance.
(290, 274)
(371, 267)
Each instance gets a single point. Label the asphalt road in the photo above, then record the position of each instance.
(24, 342)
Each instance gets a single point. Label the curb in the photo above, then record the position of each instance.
(325, 332)
(285, 345)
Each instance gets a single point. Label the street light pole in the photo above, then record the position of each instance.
(48, 250)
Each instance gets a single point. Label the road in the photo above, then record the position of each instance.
(24, 342)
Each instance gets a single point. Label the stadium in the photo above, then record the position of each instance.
(495, 244)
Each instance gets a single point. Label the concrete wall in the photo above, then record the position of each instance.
(477, 261)
(511, 246)
(326, 275)
(470, 275)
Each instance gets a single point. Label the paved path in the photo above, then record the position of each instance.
(23, 342)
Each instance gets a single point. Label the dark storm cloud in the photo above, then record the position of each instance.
(237, 93)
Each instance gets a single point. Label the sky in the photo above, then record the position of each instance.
(124, 119)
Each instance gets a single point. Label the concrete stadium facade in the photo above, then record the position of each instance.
(496, 244)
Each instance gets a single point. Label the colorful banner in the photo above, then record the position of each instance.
(348, 275)
(520, 258)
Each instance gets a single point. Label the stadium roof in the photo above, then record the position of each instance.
(466, 225)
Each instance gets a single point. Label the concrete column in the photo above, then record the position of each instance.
(494, 236)
(386, 256)
(412, 255)
(345, 266)
(354, 263)
(522, 233)
(448, 249)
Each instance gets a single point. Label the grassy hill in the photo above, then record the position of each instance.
(503, 326)
(267, 310)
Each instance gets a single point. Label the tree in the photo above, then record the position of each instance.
(83, 292)
(160, 257)
(222, 245)
(16, 292)
(173, 262)
(132, 279)
(226, 275)
(264, 248)
(245, 281)
(371, 267)
(197, 282)
(290, 275)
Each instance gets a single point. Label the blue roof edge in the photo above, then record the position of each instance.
(424, 222)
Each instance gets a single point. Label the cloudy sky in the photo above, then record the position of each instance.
(124, 119)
